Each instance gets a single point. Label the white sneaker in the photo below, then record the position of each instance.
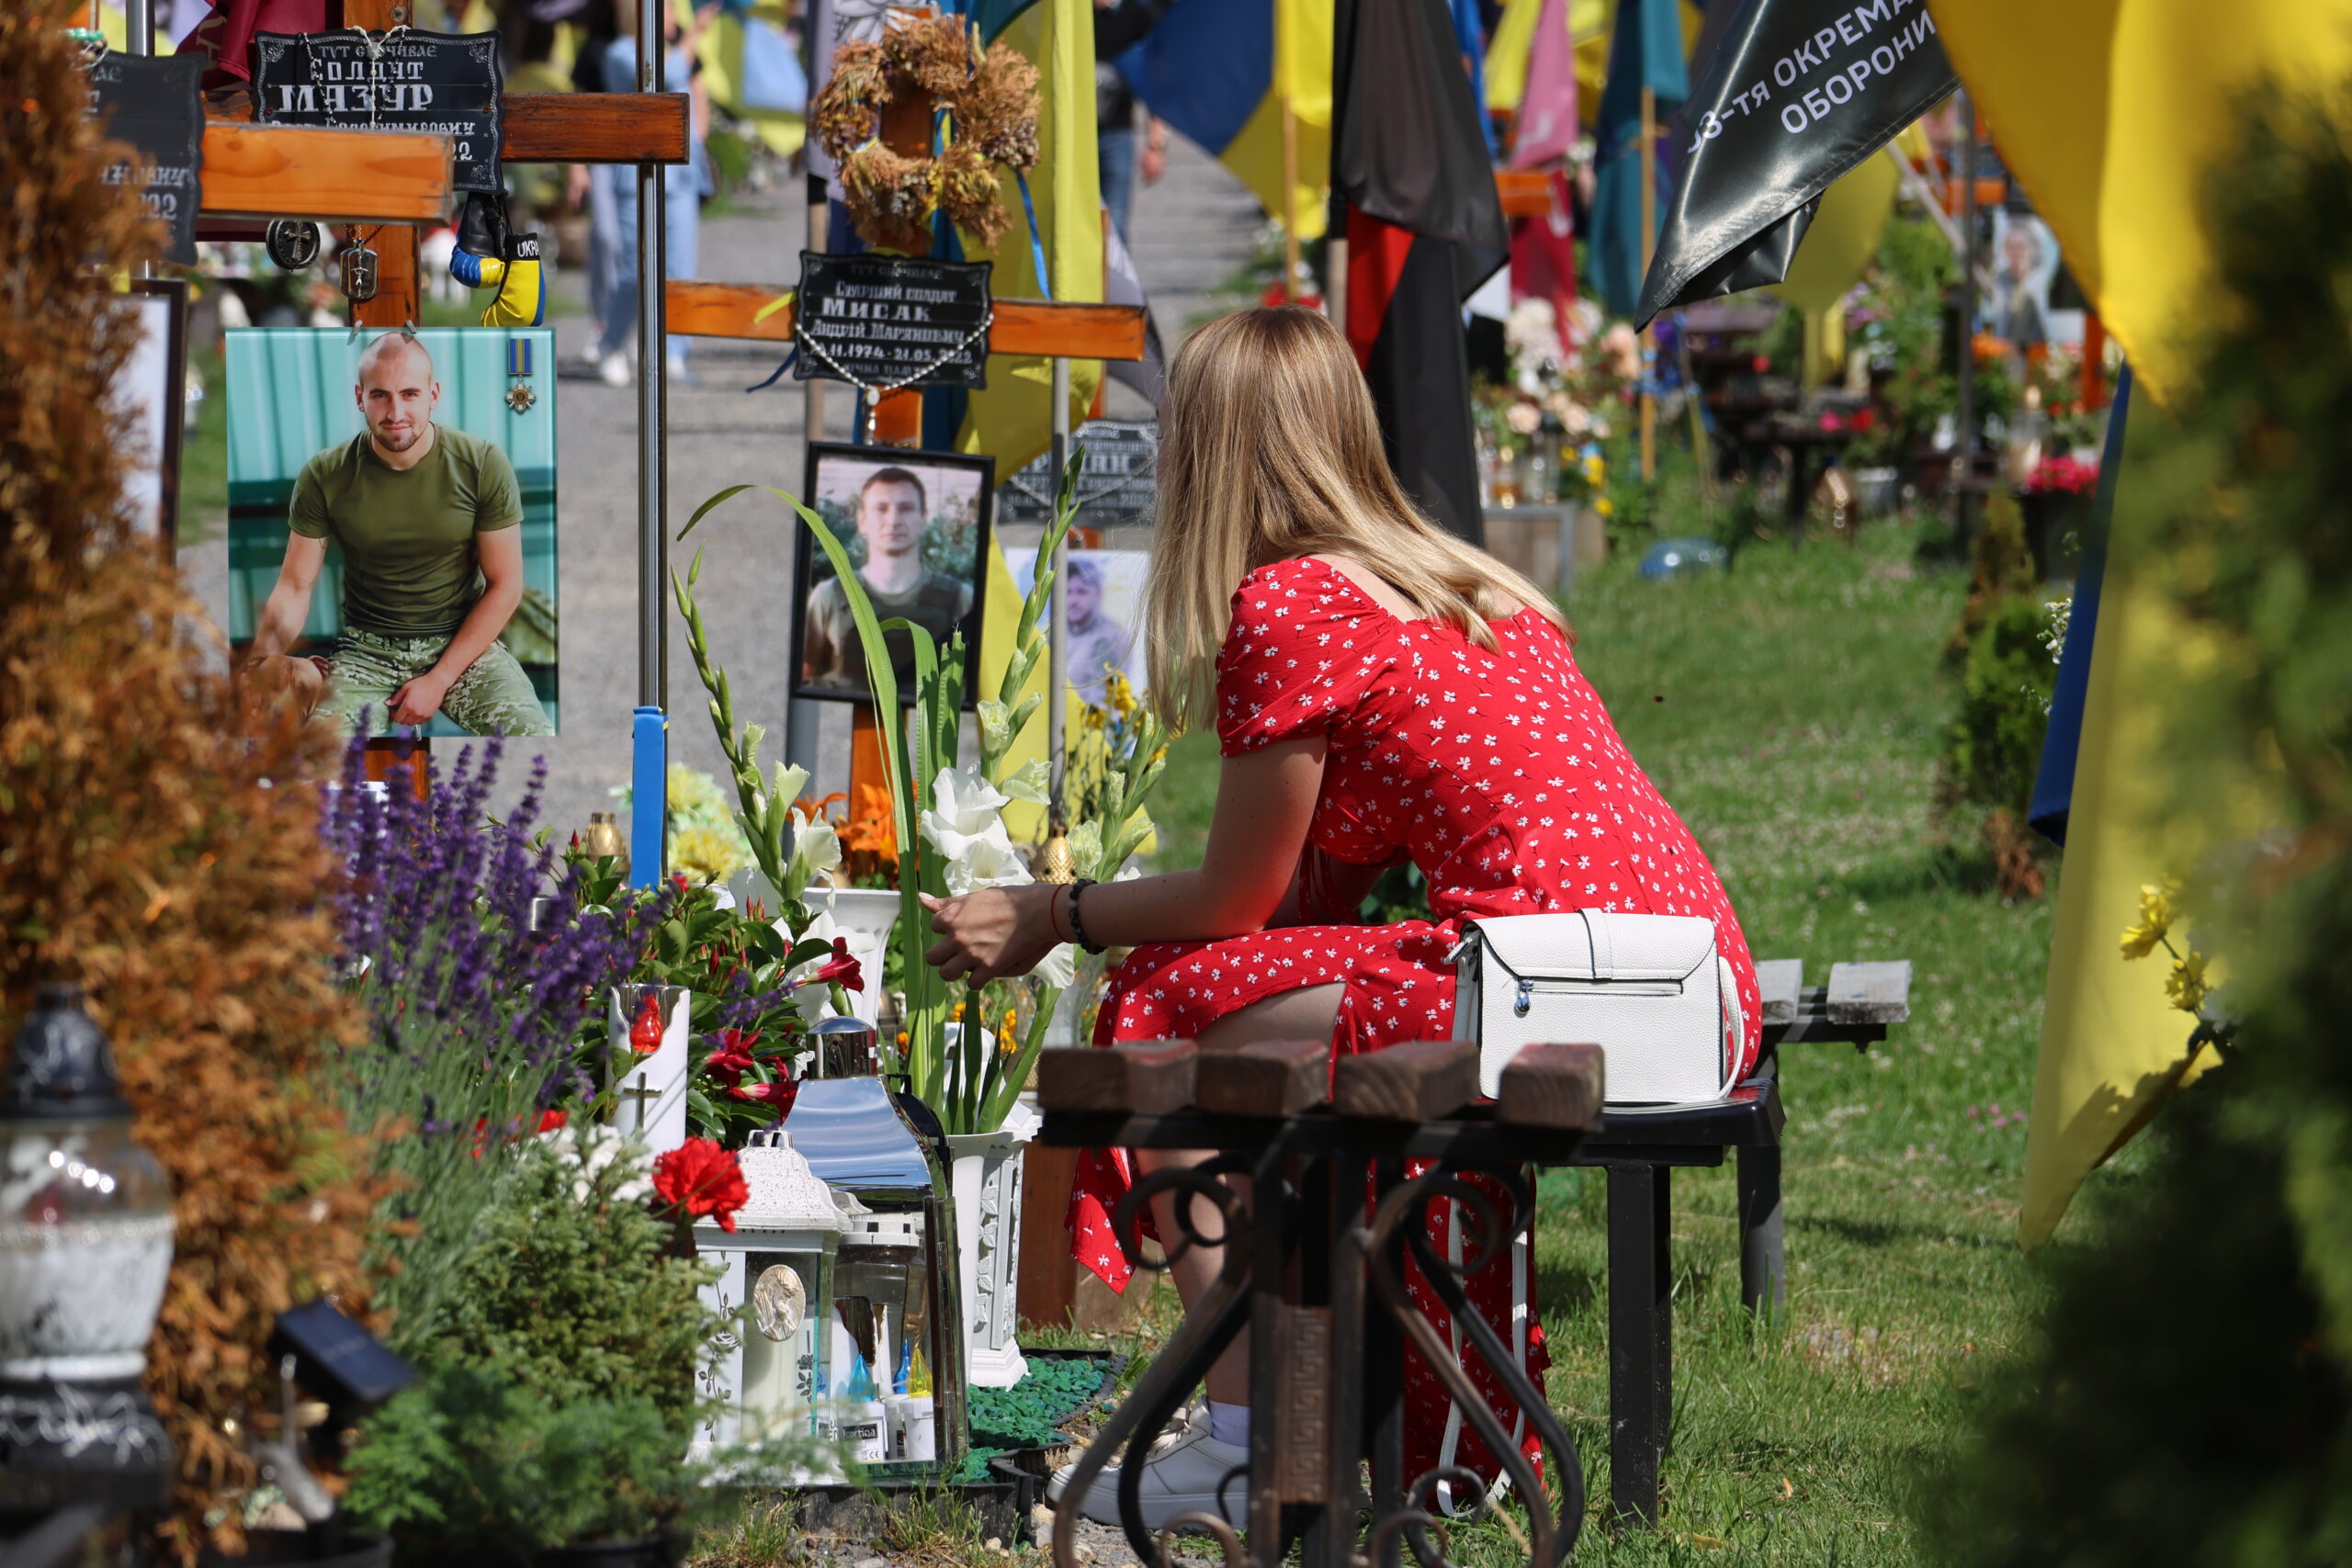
(592, 354)
(615, 369)
(1187, 1472)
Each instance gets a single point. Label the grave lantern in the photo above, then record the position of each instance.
(777, 1279)
(85, 1244)
(898, 1305)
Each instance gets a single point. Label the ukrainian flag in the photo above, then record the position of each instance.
(1218, 70)
(2114, 120)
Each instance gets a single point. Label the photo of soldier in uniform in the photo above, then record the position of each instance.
(395, 561)
(915, 528)
(1102, 606)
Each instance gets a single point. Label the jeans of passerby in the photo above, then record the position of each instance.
(1114, 151)
(682, 200)
(604, 239)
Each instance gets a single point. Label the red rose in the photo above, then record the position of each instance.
(701, 1180)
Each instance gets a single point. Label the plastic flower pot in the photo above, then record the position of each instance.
(986, 1176)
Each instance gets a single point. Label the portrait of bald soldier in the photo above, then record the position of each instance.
(429, 520)
(893, 508)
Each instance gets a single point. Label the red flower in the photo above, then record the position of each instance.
(841, 967)
(780, 1094)
(733, 1057)
(699, 1181)
(554, 1121)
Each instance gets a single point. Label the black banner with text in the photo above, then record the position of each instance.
(152, 103)
(444, 83)
(1797, 94)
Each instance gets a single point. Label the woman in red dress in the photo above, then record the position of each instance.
(1381, 692)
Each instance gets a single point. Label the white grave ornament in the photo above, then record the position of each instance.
(769, 1375)
(650, 1086)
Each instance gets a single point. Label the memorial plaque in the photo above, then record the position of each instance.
(1117, 475)
(444, 83)
(876, 320)
(152, 104)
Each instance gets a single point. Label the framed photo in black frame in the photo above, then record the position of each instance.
(915, 526)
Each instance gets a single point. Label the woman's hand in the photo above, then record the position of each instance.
(995, 932)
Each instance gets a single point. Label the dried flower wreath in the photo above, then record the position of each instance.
(989, 97)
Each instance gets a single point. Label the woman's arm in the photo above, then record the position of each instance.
(1265, 799)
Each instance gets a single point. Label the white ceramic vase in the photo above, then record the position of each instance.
(863, 915)
(986, 1176)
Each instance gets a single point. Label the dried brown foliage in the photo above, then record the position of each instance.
(146, 849)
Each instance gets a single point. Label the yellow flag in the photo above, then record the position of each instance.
(1837, 247)
(2113, 115)
(1011, 418)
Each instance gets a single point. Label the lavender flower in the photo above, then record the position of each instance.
(471, 1015)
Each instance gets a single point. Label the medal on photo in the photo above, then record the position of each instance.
(519, 396)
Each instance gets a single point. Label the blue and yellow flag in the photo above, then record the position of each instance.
(1645, 51)
(1218, 70)
(2113, 119)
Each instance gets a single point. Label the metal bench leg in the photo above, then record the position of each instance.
(1641, 1337)
(1763, 1258)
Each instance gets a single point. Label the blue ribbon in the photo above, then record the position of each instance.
(1036, 245)
(779, 371)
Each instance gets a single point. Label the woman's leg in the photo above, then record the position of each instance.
(1307, 1013)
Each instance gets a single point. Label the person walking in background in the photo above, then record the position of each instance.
(1119, 24)
(614, 185)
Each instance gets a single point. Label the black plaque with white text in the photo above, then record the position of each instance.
(876, 320)
(1118, 474)
(444, 83)
(152, 103)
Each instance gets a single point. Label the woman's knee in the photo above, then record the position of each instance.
(1307, 1013)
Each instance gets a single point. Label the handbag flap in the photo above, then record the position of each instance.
(1629, 947)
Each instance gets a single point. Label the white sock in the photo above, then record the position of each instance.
(1229, 1423)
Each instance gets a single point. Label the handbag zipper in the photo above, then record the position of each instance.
(1524, 997)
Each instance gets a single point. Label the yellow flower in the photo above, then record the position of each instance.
(1120, 695)
(1603, 506)
(2159, 907)
(708, 855)
(2186, 983)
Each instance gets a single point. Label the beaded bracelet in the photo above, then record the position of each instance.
(1077, 924)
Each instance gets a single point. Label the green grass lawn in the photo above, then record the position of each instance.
(1791, 710)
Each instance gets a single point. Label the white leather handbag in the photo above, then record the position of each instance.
(1651, 990)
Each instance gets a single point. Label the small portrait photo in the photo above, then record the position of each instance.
(915, 526)
(392, 526)
(1102, 613)
(2025, 264)
(151, 392)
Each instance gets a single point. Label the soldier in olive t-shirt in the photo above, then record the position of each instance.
(426, 519)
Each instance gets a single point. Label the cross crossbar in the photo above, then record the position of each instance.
(1043, 327)
(331, 177)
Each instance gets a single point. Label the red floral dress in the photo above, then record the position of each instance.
(1501, 776)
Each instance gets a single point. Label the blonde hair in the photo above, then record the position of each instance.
(1270, 449)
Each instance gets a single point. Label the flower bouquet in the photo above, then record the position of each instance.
(946, 817)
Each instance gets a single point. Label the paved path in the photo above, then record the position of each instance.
(1192, 230)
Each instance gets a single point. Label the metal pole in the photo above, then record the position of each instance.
(1056, 639)
(651, 741)
(804, 718)
(138, 27)
(1964, 438)
(1650, 246)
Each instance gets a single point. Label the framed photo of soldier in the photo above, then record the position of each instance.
(915, 526)
(392, 526)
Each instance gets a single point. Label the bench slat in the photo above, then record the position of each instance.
(1146, 1077)
(1869, 992)
(1781, 979)
(1272, 1078)
(1417, 1081)
(1551, 1085)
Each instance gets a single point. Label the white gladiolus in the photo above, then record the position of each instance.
(962, 804)
(1029, 784)
(1058, 968)
(816, 850)
(985, 859)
